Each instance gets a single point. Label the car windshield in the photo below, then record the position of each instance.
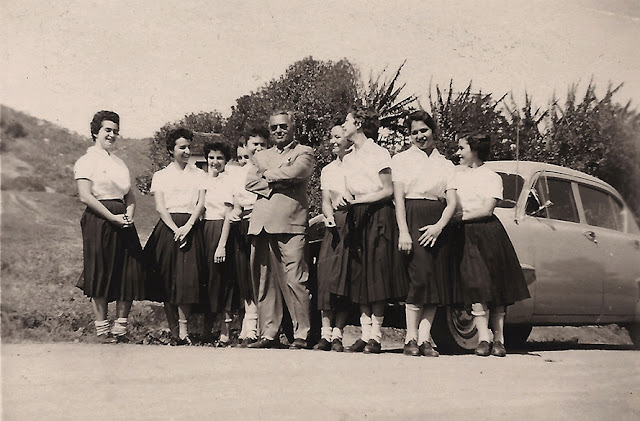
(511, 186)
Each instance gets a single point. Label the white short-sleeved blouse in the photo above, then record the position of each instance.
(219, 194)
(332, 177)
(246, 199)
(110, 178)
(180, 187)
(475, 185)
(424, 176)
(363, 165)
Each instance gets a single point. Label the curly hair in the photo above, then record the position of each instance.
(479, 142)
(176, 134)
(99, 117)
(420, 115)
(368, 119)
(220, 146)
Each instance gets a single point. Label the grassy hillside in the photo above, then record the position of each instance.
(38, 155)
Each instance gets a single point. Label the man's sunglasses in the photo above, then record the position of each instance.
(274, 127)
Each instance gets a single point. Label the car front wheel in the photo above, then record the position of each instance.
(454, 330)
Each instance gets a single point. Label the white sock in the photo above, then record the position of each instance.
(412, 314)
(336, 334)
(251, 317)
(102, 327)
(326, 333)
(184, 332)
(119, 326)
(376, 327)
(365, 323)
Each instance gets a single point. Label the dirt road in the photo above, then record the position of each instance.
(112, 382)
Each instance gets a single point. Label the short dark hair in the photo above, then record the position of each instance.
(99, 117)
(220, 146)
(176, 134)
(420, 115)
(479, 142)
(280, 111)
(260, 131)
(368, 119)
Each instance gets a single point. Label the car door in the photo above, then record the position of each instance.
(613, 229)
(568, 263)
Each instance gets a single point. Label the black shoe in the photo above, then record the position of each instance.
(427, 350)
(246, 342)
(298, 344)
(358, 346)
(123, 339)
(222, 344)
(483, 349)
(264, 343)
(186, 341)
(498, 350)
(373, 347)
(336, 345)
(323, 345)
(107, 338)
(411, 348)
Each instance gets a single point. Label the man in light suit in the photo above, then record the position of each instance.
(278, 225)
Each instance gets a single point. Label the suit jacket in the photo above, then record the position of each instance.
(280, 180)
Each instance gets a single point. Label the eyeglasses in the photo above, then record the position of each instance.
(422, 130)
(274, 127)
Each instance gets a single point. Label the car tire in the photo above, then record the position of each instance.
(634, 333)
(454, 331)
(515, 336)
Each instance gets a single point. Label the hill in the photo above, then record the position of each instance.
(38, 155)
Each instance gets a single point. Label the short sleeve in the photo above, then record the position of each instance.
(398, 170)
(156, 183)
(382, 159)
(450, 181)
(494, 186)
(324, 179)
(83, 168)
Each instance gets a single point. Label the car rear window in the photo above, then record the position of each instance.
(511, 186)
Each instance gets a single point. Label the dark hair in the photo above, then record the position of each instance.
(99, 117)
(217, 145)
(368, 120)
(260, 131)
(420, 115)
(479, 142)
(176, 134)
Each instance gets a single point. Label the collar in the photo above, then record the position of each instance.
(187, 168)
(97, 151)
(435, 154)
(287, 148)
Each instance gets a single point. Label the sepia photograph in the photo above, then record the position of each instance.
(320, 210)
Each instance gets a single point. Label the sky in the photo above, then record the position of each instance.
(155, 61)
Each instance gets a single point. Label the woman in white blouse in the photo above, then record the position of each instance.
(222, 294)
(113, 260)
(373, 257)
(176, 245)
(490, 276)
(425, 202)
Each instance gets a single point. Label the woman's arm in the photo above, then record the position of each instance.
(181, 233)
(164, 213)
(404, 237)
(327, 209)
(130, 204)
(236, 212)
(431, 232)
(486, 210)
(385, 193)
(221, 251)
(84, 191)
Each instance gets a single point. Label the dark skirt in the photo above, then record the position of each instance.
(429, 268)
(113, 258)
(376, 271)
(333, 260)
(240, 247)
(220, 293)
(488, 268)
(178, 273)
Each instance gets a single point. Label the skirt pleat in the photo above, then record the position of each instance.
(376, 271)
(178, 273)
(114, 266)
(488, 267)
(333, 260)
(240, 246)
(429, 268)
(220, 292)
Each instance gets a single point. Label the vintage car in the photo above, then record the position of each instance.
(579, 247)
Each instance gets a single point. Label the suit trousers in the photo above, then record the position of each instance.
(279, 270)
